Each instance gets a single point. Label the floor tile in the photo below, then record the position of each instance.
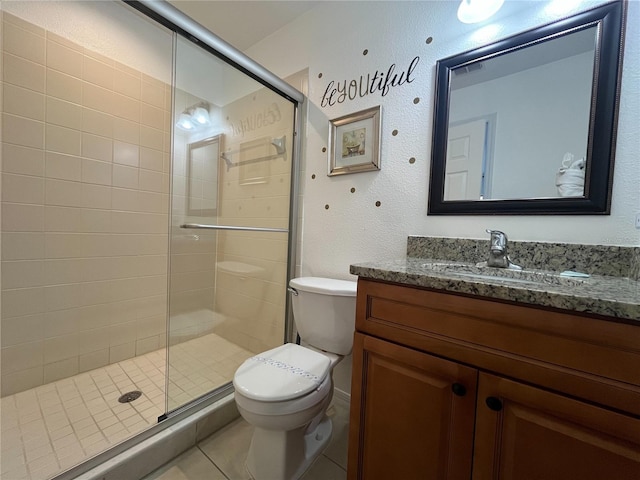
(191, 465)
(337, 448)
(324, 469)
(228, 447)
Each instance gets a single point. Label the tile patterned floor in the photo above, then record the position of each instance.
(50, 428)
(222, 455)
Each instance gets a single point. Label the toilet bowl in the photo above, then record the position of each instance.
(284, 392)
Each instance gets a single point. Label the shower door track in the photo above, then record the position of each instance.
(202, 226)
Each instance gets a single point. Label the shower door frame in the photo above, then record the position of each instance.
(172, 18)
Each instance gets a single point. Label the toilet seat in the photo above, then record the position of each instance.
(284, 373)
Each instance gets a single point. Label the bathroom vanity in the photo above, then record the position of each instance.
(459, 376)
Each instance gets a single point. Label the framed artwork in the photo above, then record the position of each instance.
(354, 142)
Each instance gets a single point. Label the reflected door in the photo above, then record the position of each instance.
(465, 155)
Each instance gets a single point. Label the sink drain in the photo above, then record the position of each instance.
(130, 396)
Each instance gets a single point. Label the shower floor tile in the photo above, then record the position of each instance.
(53, 427)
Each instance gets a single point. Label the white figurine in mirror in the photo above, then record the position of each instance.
(570, 177)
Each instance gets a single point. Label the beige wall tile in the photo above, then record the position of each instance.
(96, 293)
(96, 196)
(63, 140)
(151, 181)
(152, 93)
(94, 220)
(97, 123)
(96, 245)
(126, 199)
(127, 84)
(60, 348)
(154, 306)
(22, 380)
(22, 72)
(125, 177)
(60, 297)
(54, 37)
(96, 147)
(122, 333)
(22, 301)
(151, 159)
(63, 113)
(64, 59)
(62, 219)
(94, 171)
(126, 153)
(97, 72)
(95, 316)
(60, 323)
(7, 17)
(22, 246)
(22, 160)
(22, 131)
(152, 116)
(98, 269)
(152, 203)
(63, 86)
(151, 137)
(93, 360)
(23, 43)
(125, 222)
(153, 286)
(62, 369)
(146, 345)
(63, 193)
(126, 107)
(126, 244)
(22, 218)
(22, 189)
(22, 357)
(23, 102)
(62, 271)
(97, 98)
(126, 130)
(63, 245)
(17, 330)
(118, 353)
(22, 273)
(63, 167)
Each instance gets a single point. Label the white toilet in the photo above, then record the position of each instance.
(284, 392)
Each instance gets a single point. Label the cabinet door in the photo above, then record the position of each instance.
(524, 433)
(411, 414)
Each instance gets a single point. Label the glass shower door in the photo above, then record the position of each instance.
(231, 183)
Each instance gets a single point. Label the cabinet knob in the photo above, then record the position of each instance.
(494, 403)
(458, 389)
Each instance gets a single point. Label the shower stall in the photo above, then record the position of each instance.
(148, 224)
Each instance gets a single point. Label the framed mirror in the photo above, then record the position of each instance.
(527, 125)
(202, 176)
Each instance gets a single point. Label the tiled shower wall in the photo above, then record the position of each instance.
(85, 175)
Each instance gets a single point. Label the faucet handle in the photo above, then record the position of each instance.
(498, 238)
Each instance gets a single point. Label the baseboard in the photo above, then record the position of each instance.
(344, 396)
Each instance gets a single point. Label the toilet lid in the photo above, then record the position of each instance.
(282, 373)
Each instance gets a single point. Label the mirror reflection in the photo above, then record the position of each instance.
(501, 108)
(527, 125)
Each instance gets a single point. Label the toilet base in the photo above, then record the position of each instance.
(281, 455)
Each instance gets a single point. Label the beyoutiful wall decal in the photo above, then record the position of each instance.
(380, 81)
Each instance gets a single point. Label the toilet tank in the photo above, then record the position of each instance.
(324, 311)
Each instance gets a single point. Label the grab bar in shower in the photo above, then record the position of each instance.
(202, 226)
(279, 143)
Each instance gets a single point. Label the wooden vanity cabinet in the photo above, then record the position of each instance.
(452, 387)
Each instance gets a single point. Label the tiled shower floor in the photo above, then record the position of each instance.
(50, 428)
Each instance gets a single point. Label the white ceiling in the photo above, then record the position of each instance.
(243, 23)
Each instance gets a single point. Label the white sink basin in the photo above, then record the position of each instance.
(483, 272)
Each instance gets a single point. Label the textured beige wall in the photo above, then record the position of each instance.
(85, 176)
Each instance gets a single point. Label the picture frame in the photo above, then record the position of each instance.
(354, 142)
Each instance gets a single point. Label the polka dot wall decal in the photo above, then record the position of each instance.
(429, 40)
(365, 51)
(353, 190)
(416, 100)
(313, 176)
(412, 160)
(378, 203)
(326, 207)
(394, 133)
(324, 149)
(320, 75)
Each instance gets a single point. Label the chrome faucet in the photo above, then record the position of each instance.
(498, 256)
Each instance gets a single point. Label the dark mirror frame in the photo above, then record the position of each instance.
(602, 124)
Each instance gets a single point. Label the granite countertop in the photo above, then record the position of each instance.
(611, 296)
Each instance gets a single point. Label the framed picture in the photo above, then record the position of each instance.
(354, 142)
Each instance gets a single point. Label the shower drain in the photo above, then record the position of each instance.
(130, 396)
